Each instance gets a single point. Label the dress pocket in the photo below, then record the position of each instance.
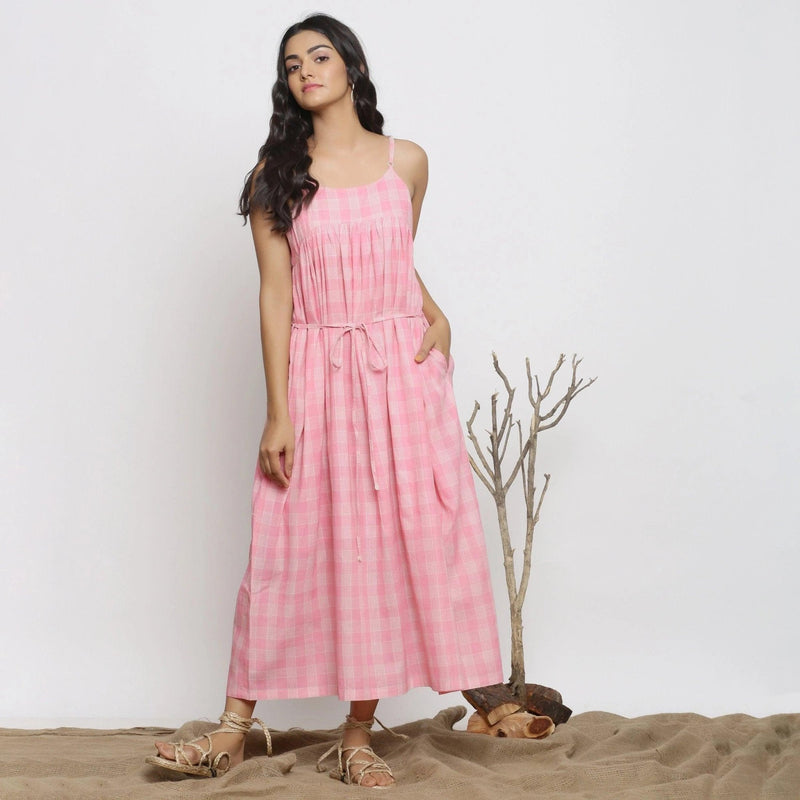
(440, 357)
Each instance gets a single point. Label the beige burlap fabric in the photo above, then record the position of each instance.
(595, 755)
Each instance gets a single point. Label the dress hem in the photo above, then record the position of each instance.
(387, 691)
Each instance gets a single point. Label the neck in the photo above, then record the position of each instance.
(337, 127)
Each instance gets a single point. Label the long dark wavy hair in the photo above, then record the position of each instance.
(284, 186)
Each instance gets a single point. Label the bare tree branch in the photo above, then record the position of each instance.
(509, 392)
(526, 558)
(553, 374)
(507, 436)
(567, 401)
(480, 474)
(474, 439)
(520, 464)
(525, 465)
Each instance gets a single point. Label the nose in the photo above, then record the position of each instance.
(305, 70)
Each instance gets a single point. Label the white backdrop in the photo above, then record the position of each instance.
(617, 179)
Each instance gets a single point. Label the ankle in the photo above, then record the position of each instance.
(352, 722)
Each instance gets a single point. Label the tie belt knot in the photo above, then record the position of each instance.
(376, 357)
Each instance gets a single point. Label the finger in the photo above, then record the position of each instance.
(423, 351)
(277, 469)
(289, 460)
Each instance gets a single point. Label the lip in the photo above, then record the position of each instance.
(309, 86)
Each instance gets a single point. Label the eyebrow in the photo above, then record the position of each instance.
(310, 50)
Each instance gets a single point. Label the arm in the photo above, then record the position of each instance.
(411, 163)
(439, 331)
(275, 306)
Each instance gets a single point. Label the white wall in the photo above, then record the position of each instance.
(614, 179)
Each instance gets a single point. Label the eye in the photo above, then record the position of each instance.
(292, 68)
(322, 58)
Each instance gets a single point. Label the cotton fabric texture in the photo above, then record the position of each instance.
(368, 572)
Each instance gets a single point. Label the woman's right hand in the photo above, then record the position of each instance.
(278, 437)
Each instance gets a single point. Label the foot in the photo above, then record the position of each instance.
(213, 753)
(355, 737)
(231, 743)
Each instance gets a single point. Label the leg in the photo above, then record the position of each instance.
(232, 743)
(353, 737)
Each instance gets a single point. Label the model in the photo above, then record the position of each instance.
(368, 568)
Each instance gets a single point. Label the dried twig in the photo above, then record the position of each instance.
(490, 472)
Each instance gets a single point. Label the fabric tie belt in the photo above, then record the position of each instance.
(370, 355)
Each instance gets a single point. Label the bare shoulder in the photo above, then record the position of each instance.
(410, 154)
(411, 164)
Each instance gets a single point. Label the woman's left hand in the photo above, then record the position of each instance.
(438, 336)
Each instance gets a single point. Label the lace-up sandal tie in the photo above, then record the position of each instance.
(342, 771)
(208, 767)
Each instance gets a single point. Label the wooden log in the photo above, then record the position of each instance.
(477, 723)
(546, 702)
(546, 691)
(523, 725)
(497, 701)
(492, 702)
(520, 725)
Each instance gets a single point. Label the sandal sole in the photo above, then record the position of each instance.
(186, 769)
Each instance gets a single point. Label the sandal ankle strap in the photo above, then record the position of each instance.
(366, 725)
(236, 723)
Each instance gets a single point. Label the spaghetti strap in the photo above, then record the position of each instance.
(391, 150)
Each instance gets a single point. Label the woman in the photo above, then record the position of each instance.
(367, 558)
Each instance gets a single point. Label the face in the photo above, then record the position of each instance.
(316, 73)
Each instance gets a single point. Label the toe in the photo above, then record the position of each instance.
(166, 750)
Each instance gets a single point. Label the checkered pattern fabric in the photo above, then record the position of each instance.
(368, 575)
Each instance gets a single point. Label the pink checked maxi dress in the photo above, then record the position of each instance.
(368, 575)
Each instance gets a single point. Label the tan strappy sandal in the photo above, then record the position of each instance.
(206, 768)
(342, 770)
